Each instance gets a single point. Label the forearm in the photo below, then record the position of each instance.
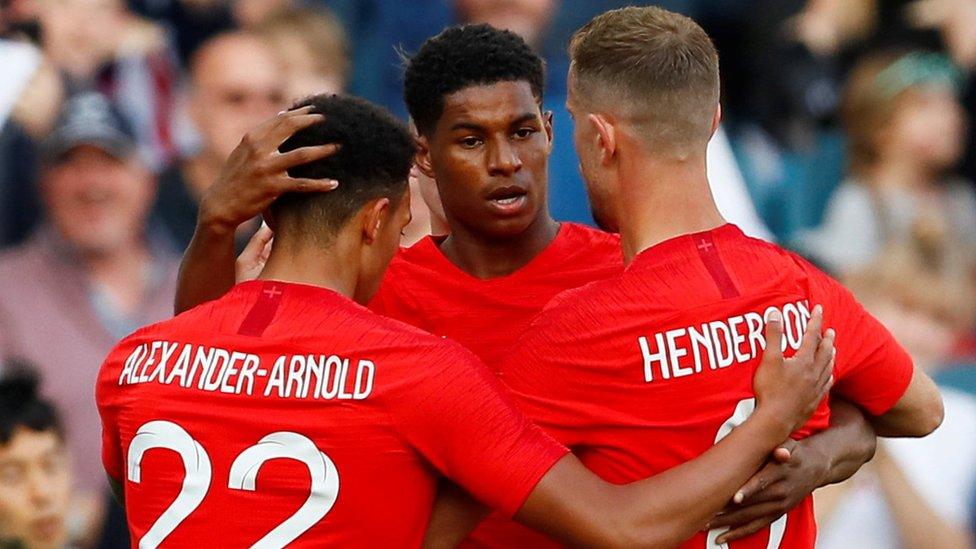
(207, 271)
(918, 524)
(575, 506)
(848, 444)
(675, 505)
(454, 516)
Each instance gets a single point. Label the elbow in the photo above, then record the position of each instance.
(931, 417)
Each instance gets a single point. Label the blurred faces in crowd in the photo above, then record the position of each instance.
(35, 479)
(526, 18)
(95, 191)
(236, 82)
(312, 50)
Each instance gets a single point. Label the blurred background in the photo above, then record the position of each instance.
(847, 136)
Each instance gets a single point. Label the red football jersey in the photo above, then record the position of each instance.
(647, 370)
(423, 288)
(288, 414)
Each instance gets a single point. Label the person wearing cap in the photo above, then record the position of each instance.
(90, 274)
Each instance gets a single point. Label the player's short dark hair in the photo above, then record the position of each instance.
(465, 56)
(373, 162)
(21, 406)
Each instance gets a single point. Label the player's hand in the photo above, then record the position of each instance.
(252, 259)
(256, 174)
(791, 389)
(795, 470)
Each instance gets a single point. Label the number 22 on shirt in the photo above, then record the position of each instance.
(243, 474)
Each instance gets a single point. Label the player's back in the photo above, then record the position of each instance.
(285, 413)
(647, 370)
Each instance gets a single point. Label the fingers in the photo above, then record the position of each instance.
(812, 337)
(740, 517)
(784, 453)
(747, 530)
(758, 483)
(826, 356)
(302, 185)
(289, 123)
(774, 338)
(304, 155)
(258, 242)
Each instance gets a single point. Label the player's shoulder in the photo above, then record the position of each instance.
(406, 336)
(421, 254)
(591, 241)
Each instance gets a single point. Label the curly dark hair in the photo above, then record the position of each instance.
(21, 406)
(373, 162)
(464, 56)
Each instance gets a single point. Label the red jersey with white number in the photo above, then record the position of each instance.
(287, 413)
(423, 288)
(646, 370)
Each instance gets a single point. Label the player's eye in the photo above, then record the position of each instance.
(524, 133)
(470, 142)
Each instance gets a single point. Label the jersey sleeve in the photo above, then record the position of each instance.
(105, 397)
(461, 419)
(872, 369)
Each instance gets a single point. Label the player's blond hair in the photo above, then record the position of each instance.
(655, 68)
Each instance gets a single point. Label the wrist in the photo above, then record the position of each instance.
(211, 221)
(771, 425)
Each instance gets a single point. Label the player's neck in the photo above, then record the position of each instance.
(672, 198)
(301, 263)
(487, 258)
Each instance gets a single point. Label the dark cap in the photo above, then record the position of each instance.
(88, 119)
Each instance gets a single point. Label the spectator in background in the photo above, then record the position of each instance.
(907, 131)
(236, 81)
(312, 49)
(916, 493)
(101, 45)
(35, 478)
(89, 275)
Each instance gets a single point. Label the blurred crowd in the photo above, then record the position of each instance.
(847, 136)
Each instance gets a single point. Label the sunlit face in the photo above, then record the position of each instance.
(598, 186)
(929, 126)
(237, 84)
(378, 254)
(97, 203)
(35, 485)
(489, 155)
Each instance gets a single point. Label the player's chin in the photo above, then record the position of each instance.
(508, 226)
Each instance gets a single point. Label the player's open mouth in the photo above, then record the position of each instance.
(508, 200)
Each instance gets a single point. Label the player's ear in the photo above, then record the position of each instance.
(375, 214)
(716, 118)
(606, 136)
(422, 156)
(547, 121)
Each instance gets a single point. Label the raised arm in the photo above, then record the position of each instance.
(253, 176)
(572, 504)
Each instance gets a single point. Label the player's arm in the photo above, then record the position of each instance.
(454, 516)
(917, 413)
(572, 504)
(253, 176)
(874, 371)
(487, 447)
(797, 469)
